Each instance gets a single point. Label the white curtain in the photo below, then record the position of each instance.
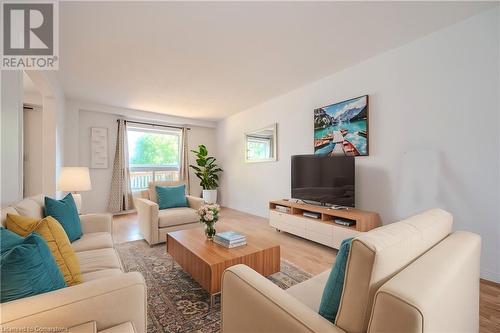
(184, 172)
(120, 196)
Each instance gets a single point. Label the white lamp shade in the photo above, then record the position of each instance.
(74, 179)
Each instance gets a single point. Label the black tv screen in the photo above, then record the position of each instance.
(323, 179)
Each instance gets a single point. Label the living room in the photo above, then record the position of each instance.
(252, 167)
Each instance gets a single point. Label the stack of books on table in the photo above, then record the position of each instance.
(230, 239)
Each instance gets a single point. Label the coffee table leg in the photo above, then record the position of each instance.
(212, 299)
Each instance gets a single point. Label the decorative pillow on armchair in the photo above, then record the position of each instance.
(171, 196)
(66, 213)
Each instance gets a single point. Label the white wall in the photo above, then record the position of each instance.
(33, 150)
(11, 118)
(32, 98)
(81, 117)
(434, 133)
(52, 100)
(53, 121)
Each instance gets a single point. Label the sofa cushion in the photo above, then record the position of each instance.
(28, 268)
(89, 327)
(100, 274)
(309, 292)
(96, 260)
(66, 213)
(29, 207)
(57, 240)
(93, 241)
(177, 216)
(127, 327)
(381, 253)
(171, 196)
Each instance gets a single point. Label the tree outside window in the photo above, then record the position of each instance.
(153, 155)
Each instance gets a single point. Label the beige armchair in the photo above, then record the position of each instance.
(154, 224)
(412, 276)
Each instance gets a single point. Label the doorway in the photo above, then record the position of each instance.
(32, 148)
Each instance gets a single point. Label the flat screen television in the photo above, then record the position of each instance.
(323, 179)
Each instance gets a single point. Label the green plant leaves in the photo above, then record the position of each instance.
(207, 170)
(203, 150)
(201, 162)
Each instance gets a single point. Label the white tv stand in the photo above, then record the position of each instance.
(322, 230)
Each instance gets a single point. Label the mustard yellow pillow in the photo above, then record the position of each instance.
(57, 240)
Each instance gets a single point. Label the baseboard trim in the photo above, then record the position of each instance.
(490, 276)
(491, 283)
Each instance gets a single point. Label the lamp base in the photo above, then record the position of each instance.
(78, 201)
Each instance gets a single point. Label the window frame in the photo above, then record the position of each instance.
(154, 168)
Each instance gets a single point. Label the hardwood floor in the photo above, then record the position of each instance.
(489, 307)
(309, 256)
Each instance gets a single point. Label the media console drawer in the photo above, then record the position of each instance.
(320, 238)
(287, 222)
(323, 231)
(319, 227)
(293, 220)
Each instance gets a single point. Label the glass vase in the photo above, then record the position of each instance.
(210, 230)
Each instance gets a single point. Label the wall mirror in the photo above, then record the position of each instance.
(260, 145)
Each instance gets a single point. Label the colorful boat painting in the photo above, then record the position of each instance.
(342, 128)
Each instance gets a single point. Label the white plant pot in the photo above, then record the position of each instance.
(210, 196)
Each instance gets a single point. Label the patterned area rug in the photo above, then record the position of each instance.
(177, 303)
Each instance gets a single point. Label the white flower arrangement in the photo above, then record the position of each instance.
(209, 214)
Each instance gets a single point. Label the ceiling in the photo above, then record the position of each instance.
(210, 60)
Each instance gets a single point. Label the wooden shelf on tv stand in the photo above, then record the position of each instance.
(322, 230)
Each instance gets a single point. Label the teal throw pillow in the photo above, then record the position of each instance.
(171, 196)
(9, 239)
(27, 268)
(330, 301)
(66, 213)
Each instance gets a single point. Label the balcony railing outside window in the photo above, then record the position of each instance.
(141, 176)
(154, 155)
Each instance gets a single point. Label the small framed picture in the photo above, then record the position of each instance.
(99, 148)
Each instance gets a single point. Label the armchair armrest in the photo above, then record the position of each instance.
(252, 303)
(108, 301)
(195, 202)
(147, 212)
(96, 223)
(438, 292)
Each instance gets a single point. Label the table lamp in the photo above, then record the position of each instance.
(75, 179)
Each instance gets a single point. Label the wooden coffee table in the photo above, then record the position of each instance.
(205, 260)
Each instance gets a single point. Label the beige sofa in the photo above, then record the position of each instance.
(410, 276)
(154, 224)
(108, 300)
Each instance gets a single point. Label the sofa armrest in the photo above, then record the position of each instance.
(438, 292)
(108, 301)
(252, 303)
(147, 212)
(96, 223)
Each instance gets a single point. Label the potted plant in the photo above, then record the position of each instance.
(208, 173)
(209, 215)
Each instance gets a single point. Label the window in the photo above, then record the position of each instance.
(154, 154)
(258, 148)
